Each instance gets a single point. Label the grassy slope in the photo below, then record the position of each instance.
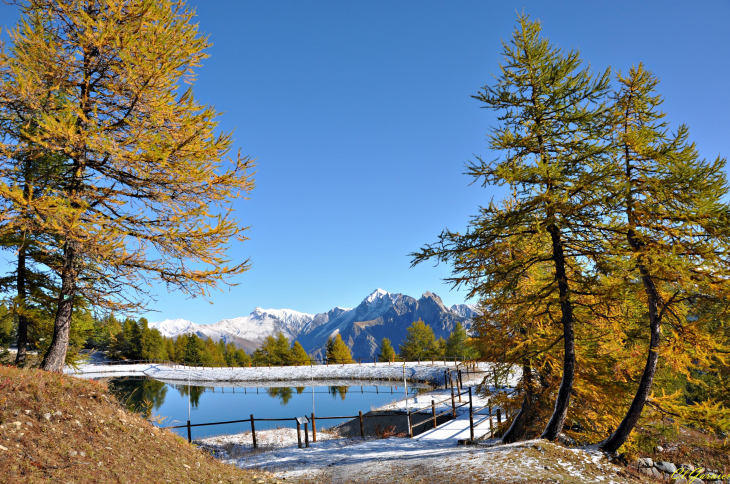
(90, 437)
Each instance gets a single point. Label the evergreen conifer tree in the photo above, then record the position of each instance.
(456, 345)
(192, 354)
(329, 348)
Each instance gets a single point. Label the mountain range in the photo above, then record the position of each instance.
(380, 315)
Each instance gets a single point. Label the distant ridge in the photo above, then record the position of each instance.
(380, 315)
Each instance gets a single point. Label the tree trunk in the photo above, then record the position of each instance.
(617, 439)
(22, 355)
(555, 425)
(518, 428)
(55, 357)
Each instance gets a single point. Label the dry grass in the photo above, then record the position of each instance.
(56, 428)
(689, 446)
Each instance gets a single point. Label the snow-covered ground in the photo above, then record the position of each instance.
(373, 460)
(425, 372)
(238, 444)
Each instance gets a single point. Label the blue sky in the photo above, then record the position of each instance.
(361, 119)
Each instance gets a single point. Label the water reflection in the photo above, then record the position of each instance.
(141, 396)
(341, 391)
(194, 391)
(284, 394)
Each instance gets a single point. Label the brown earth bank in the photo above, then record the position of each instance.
(60, 429)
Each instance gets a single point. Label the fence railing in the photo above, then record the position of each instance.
(453, 381)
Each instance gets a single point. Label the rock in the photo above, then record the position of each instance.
(645, 462)
(197, 464)
(82, 454)
(100, 464)
(657, 473)
(28, 424)
(27, 412)
(687, 466)
(659, 448)
(566, 440)
(666, 467)
(47, 416)
(17, 425)
(57, 414)
(73, 453)
(3, 448)
(77, 423)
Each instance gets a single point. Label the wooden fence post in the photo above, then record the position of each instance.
(362, 427)
(410, 425)
(499, 416)
(299, 434)
(306, 435)
(471, 417)
(433, 412)
(446, 380)
(453, 402)
(253, 432)
(190, 440)
(314, 429)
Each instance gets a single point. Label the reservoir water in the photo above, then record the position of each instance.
(225, 403)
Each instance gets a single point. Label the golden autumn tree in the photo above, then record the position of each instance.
(144, 185)
(551, 142)
(672, 218)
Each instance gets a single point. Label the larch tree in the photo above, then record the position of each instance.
(552, 130)
(419, 342)
(298, 355)
(387, 353)
(674, 220)
(145, 188)
(340, 352)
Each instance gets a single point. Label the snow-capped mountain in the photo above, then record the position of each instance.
(174, 327)
(264, 322)
(381, 314)
(465, 310)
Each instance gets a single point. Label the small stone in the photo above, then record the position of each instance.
(646, 470)
(3, 448)
(659, 448)
(77, 423)
(666, 467)
(27, 412)
(17, 425)
(197, 464)
(73, 453)
(82, 454)
(28, 424)
(186, 466)
(57, 414)
(687, 466)
(645, 462)
(47, 416)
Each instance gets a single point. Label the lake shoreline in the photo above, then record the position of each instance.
(434, 374)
